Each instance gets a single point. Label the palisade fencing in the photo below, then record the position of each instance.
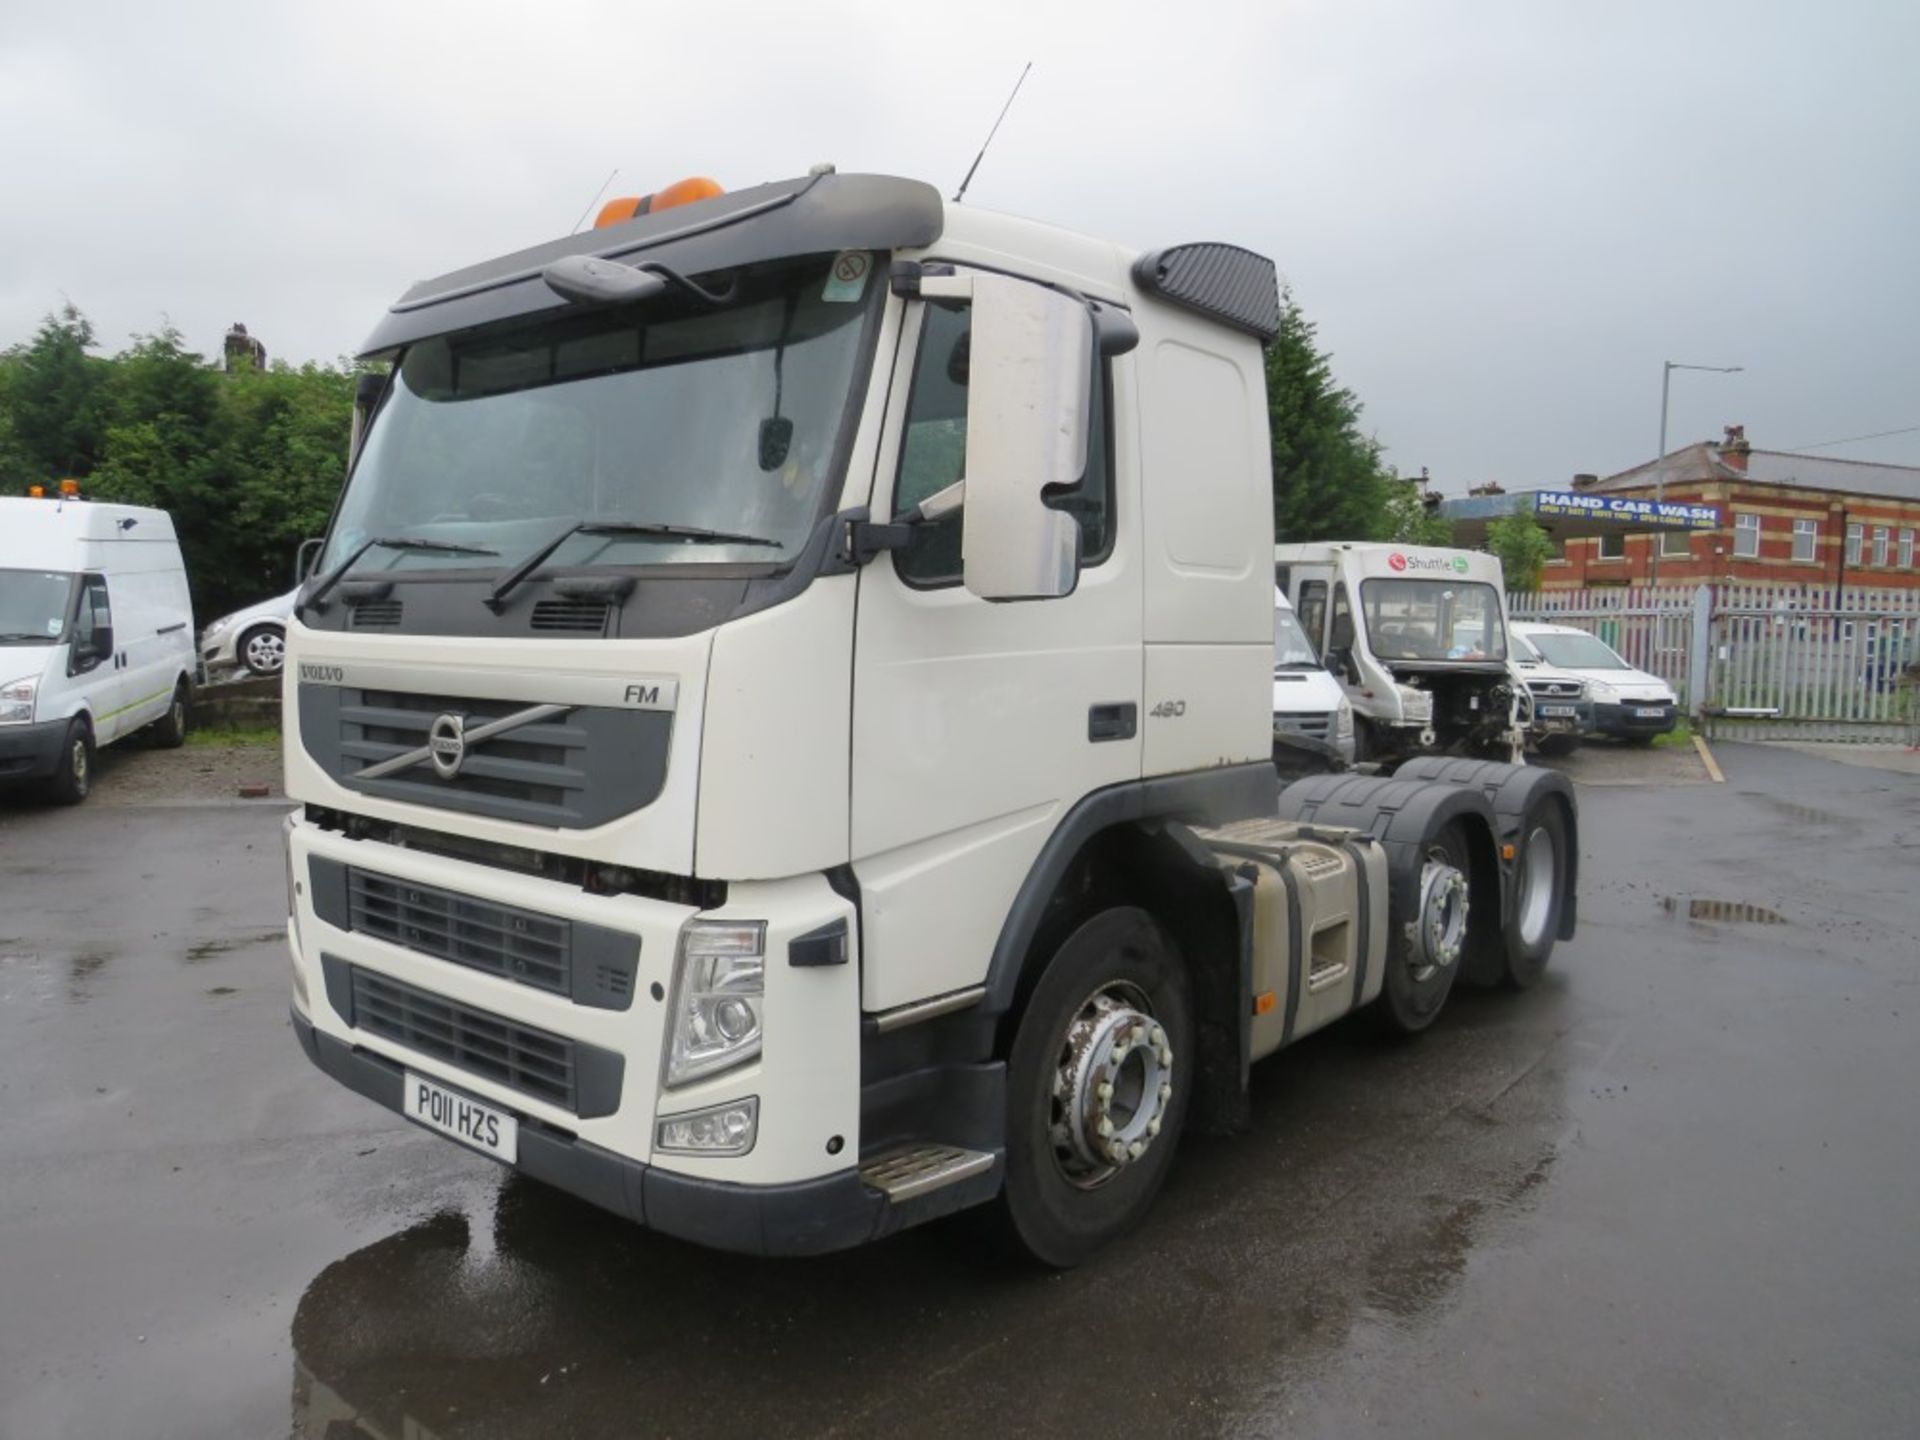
(1764, 662)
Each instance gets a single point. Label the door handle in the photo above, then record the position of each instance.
(1119, 721)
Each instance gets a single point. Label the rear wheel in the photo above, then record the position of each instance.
(72, 782)
(1540, 896)
(1423, 956)
(169, 732)
(1097, 1088)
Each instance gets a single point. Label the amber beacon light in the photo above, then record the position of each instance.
(681, 192)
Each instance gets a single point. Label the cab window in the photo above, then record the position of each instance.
(933, 454)
(1312, 609)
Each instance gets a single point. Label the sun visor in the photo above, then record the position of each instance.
(810, 216)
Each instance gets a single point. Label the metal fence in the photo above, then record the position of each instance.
(1764, 662)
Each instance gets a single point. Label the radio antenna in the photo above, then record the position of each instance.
(596, 199)
(960, 194)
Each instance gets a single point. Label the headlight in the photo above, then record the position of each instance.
(16, 701)
(1343, 721)
(1604, 692)
(718, 988)
(218, 627)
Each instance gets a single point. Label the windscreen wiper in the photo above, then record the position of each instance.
(386, 542)
(40, 635)
(692, 533)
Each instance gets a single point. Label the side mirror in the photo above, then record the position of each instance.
(304, 557)
(1029, 366)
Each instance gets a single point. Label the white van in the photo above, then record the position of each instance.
(1306, 699)
(96, 636)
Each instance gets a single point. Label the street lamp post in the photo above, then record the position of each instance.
(1667, 367)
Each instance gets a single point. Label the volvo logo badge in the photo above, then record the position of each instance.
(447, 745)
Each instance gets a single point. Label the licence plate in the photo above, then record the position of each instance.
(1651, 712)
(490, 1131)
(1556, 710)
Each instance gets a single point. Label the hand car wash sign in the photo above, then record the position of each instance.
(1662, 514)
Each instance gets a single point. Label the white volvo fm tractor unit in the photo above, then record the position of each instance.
(781, 726)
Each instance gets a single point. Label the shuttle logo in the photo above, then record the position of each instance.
(1400, 564)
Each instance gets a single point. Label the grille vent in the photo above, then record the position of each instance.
(375, 614)
(588, 617)
(516, 944)
(524, 1059)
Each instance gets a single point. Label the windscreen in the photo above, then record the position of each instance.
(1290, 648)
(33, 606)
(1433, 620)
(675, 413)
(1572, 651)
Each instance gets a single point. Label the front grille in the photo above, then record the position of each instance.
(588, 617)
(517, 1056)
(1314, 726)
(517, 944)
(1555, 689)
(582, 767)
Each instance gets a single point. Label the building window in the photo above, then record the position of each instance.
(1855, 534)
(1746, 536)
(1881, 536)
(1613, 545)
(1806, 539)
(1906, 549)
(1676, 544)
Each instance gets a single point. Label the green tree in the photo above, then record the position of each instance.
(1522, 547)
(1409, 521)
(1328, 479)
(51, 394)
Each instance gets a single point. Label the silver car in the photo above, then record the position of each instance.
(254, 639)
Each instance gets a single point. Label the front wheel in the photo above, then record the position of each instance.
(72, 782)
(1097, 1088)
(263, 650)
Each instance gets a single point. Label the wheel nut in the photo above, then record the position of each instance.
(1166, 1093)
(1137, 1149)
(1153, 1126)
(1105, 1090)
(1105, 1128)
(1119, 1152)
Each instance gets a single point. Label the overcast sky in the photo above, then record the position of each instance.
(1502, 216)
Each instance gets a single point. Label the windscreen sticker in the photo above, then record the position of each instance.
(53, 626)
(847, 278)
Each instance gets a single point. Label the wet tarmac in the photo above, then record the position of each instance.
(1671, 1192)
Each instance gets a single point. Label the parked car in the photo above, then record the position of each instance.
(1561, 709)
(1628, 704)
(95, 637)
(1312, 721)
(253, 639)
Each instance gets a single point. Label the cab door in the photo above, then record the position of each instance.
(978, 724)
(94, 661)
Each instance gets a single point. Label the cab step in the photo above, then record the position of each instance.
(909, 1171)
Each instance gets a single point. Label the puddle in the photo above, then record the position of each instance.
(1721, 912)
(1803, 814)
(208, 949)
(81, 970)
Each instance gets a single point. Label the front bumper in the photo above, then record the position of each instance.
(810, 1217)
(1625, 718)
(31, 752)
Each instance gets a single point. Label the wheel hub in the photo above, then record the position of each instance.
(1441, 925)
(1111, 1086)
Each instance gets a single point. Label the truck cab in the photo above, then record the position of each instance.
(761, 708)
(1419, 636)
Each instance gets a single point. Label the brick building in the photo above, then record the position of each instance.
(1784, 519)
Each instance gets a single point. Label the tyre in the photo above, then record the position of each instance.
(1429, 936)
(1540, 897)
(1552, 745)
(263, 650)
(169, 732)
(1097, 1088)
(72, 781)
